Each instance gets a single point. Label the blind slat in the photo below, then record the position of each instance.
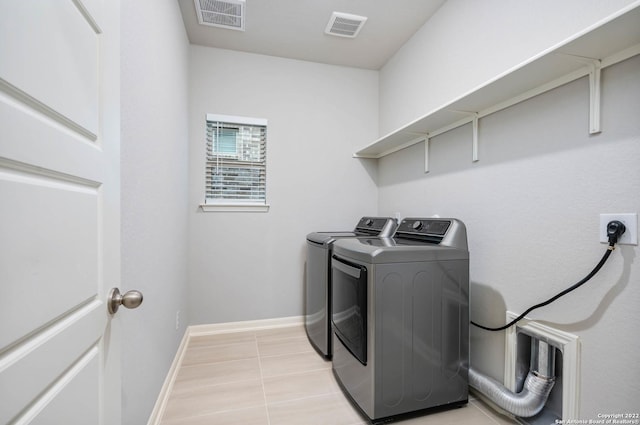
(236, 162)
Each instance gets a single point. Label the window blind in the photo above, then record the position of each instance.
(236, 160)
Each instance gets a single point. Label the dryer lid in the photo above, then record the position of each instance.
(325, 238)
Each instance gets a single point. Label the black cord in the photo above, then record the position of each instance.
(555, 297)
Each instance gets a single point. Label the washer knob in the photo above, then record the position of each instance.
(417, 225)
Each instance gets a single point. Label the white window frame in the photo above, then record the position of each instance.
(230, 205)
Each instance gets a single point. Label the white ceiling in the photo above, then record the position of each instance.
(295, 29)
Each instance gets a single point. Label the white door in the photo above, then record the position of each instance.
(59, 211)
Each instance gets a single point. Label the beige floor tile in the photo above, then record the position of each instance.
(277, 347)
(220, 353)
(468, 414)
(329, 409)
(214, 399)
(290, 387)
(191, 377)
(280, 333)
(225, 379)
(221, 339)
(293, 363)
(252, 416)
(492, 413)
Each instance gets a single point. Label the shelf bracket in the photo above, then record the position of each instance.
(474, 116)
(474, 138)
(595, 68)
(426, 154)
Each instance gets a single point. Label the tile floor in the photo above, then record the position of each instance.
(275, 377)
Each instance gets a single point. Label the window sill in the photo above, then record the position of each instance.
(234, 207)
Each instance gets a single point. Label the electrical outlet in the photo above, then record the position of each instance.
(177, 319)
(630, 221)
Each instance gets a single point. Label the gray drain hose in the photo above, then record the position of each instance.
(528, 402)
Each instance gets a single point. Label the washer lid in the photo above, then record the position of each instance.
(325, 238)
(389, 250)
(367, 226)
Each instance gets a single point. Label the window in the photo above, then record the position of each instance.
(236, 164)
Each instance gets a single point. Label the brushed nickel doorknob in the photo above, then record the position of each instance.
(130, 299)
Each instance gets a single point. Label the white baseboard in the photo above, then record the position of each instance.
(249, 325)
(200, 330)
(163, 397)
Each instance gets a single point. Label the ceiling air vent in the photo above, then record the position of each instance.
(221, 13)
(345, 24)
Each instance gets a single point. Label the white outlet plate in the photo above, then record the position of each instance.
(630, 221)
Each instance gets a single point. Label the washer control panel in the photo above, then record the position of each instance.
(376, 226)
(427, 229)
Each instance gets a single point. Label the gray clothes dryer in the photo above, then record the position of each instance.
(400, 316)
(318, 277)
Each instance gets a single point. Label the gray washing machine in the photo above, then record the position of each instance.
(400, 316)
(318, 276)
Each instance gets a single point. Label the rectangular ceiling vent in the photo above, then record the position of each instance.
(345, 24)
(221, 13)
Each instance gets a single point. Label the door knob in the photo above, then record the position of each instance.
(130, 299)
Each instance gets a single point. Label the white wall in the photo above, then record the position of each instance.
(531, 206)
(539, 176)
(154, 196)
(468, 43)
(246, 266)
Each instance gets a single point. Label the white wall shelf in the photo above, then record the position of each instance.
(604, 44)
